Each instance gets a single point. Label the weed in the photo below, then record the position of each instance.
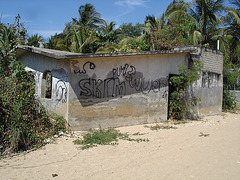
(103, 137)
(180, 122)
(138, 134)
(203, 135)
(157, 127)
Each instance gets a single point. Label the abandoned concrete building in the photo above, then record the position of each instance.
(119, 89)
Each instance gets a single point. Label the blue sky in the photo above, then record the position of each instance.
(47, 17)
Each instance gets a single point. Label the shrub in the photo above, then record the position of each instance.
(170, 36)
(231, 75)
(59, 123)
(24, 123)
(182, 99)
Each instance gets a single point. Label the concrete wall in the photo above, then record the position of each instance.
(120, 91)
(209, 86)
(112, 90)
(236, 94)
(38, 64)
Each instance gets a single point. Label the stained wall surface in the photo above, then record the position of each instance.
(210, 84)
(92, 91)
(59, 70)
(120, 91)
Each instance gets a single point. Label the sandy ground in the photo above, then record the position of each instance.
(180, 153)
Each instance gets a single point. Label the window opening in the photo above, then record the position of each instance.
(47, 85)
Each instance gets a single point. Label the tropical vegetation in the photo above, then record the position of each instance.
(24, 122)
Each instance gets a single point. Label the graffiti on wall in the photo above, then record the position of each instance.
(120, 81)
(89, 65)
(61, 91)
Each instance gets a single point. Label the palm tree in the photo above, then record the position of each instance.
(107, 33)
(81, 33)
(153, 24)
(204, 13)
(88, 17)
(35, 40)
(83, 40)
(58, 42)
(232, 32)
(232, 19)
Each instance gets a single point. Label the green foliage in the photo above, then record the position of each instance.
(203, 135)
(231, 75)
(104, 137)
(34, 40)
(23, 121)
(229, 100)
(170, 36)
(157, 127)
(10, 36)
(182, 100)
(126, 45)
(59, 123)
(139, 45)
(203, 13)
(130, 30)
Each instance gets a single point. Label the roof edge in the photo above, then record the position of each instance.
(56, 54)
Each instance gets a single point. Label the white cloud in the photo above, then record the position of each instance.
(4, 15)
(131, 3)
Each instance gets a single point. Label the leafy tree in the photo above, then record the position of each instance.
(130, 30)
(153, 24)
(169, 36)
(203, 13)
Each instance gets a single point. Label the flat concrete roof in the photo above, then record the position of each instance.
(56, 54)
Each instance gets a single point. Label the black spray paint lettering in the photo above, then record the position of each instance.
(113, 87)
(145, 86)
(123, 70)
(89, 65)
(110, 87)
(61, 91)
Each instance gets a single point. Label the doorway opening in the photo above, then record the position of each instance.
(171, 89)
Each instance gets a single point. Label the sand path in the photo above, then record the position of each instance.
(180, 153)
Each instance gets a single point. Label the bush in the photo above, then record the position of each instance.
(59, 123)
(170, 36)
(229, 100)
(24, 123)
(231, 75)
(182, 99)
